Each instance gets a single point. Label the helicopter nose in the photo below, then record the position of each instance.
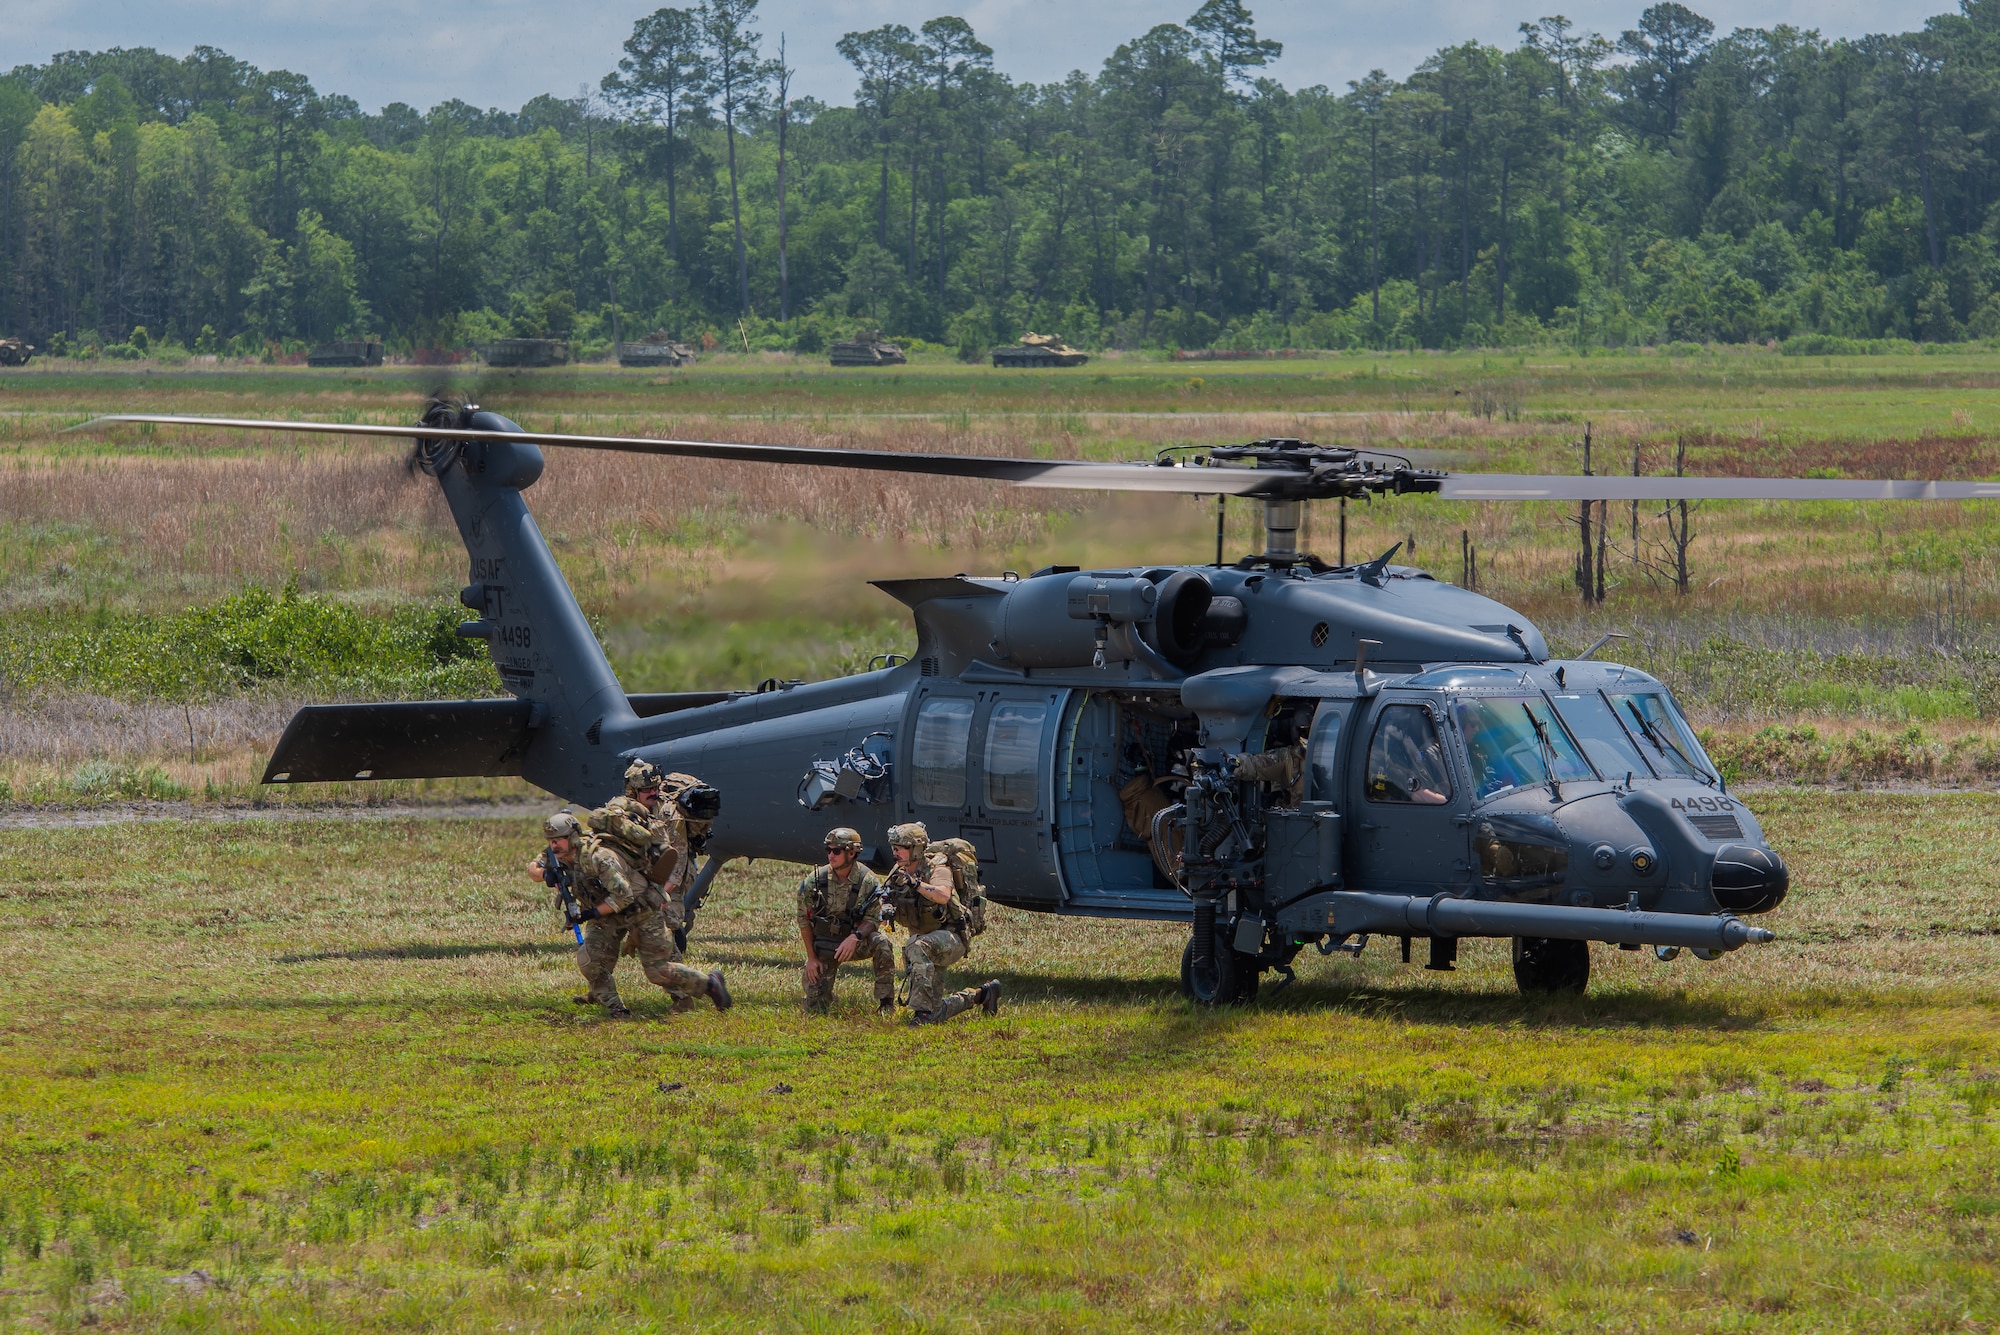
(1749, 880)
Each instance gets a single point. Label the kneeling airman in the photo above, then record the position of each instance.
(925, 893)
(613, 897)
(840, 919)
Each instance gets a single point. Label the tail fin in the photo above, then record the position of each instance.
(537, 635)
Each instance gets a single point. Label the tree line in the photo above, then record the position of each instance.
(1671, 183)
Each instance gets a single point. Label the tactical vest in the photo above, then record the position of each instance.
(920, 915)
(843, 918)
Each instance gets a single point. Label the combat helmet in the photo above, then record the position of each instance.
(562, 825)
(845, 839)
(641, 775)
(912, 835)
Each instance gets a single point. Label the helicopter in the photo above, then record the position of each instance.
(1429, 771)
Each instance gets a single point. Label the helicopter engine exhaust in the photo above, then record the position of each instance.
(1349, 912)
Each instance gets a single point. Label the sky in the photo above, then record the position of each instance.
(501, 53)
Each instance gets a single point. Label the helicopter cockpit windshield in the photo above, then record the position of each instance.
(1515, 742)
(1664, 736)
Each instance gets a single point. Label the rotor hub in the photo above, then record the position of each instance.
(1301, 470)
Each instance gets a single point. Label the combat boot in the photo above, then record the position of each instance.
(989, 996)
(886, 1008)
(617, 1011)
(918, 1019)
(718, 991)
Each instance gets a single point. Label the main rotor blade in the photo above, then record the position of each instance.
(1071, 474)
(1186, 480)
(1522, 487)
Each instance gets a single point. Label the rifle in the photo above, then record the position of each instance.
(887, 899)
(560, 879)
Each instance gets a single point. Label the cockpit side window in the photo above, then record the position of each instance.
(1406, 759)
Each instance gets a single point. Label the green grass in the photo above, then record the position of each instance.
(332, 1067)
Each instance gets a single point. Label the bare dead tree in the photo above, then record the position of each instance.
(1680, 533)
(1603, 542)
(1590, 528)
(1635, 508)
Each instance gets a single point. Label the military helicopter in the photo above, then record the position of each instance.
(1094, 733)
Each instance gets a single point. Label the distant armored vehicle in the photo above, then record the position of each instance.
(655, 350)
(870, 349)
(526, 352)
(347, 352)
(15, 352)
(1039, 350)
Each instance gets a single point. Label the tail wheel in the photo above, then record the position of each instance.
(1543, 965)
(1222, 977)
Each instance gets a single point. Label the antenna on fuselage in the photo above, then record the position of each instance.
(1372, 572)
(1602, 640)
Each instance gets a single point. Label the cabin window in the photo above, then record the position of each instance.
(1406, 761)
(939, 752)
(1323, 752)
(1013, 755)
(1516, 742)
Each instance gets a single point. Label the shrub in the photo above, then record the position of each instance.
(249, 640)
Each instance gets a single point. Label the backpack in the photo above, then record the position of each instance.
(964, 864)
(600, 824)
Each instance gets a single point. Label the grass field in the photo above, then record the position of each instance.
(321, 1072)
(326, 1076)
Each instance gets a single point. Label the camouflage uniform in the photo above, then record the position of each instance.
(680, 875)
(1283, 768)
(833, 909)
(937, 941)
(647, 836)
(608, 873)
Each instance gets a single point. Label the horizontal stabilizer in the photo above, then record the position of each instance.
(427, 739)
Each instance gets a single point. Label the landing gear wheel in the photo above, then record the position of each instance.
(1225, 978)
(1544, 965)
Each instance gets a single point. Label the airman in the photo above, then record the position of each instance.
(840, 918)
(926, 897)
(624, 906)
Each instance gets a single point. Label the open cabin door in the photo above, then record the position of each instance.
(1106, 866)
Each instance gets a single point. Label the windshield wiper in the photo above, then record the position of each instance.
(1663, 744)
(1548, 750)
